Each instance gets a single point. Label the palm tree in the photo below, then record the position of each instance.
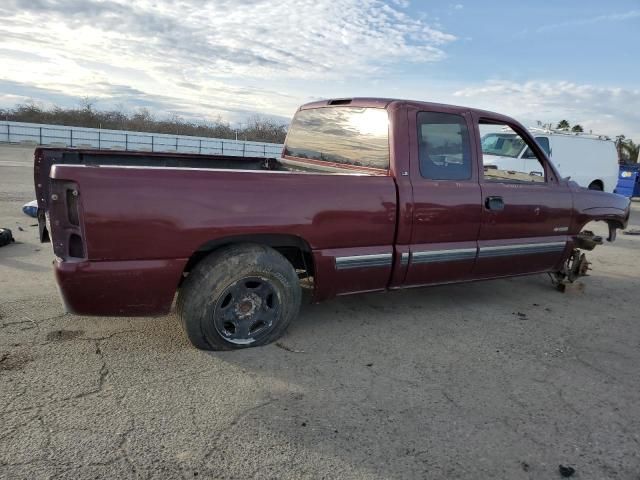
(630, 151)
(619, 142)
(627, 150)
(577, 128)
(563, 125)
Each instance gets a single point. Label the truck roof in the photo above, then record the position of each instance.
(377, 102)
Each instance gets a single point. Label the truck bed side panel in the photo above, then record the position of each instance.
(158, 214)
(155, 213)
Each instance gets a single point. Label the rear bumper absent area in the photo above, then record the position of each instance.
(128, 288)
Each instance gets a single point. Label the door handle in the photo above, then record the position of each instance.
(494, 203)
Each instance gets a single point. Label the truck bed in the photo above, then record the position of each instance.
(163, 209)
(45, 158)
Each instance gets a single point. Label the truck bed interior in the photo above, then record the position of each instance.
(72, 156)
(158, 159)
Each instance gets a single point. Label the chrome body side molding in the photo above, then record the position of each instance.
(522, 249)
(437, 256)
(433, 256)
(364, 261)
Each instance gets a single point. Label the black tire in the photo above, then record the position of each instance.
(5, 237)
(595, 185)
(240, 296)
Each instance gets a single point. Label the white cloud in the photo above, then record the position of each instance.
(606, 110)
(612, 17)
(208, 57)
(402, 3)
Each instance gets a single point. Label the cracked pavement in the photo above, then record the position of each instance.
(501, 379)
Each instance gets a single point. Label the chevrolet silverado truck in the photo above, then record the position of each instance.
(368, 195)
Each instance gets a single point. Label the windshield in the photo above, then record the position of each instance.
(502, 144)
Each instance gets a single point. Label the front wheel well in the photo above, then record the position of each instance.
(295, 249)
(596, 185)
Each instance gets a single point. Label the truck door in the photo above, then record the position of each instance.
(446, 197)
(525, 214)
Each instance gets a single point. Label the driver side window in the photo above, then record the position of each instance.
(506, 157)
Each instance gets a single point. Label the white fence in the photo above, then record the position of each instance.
(58, 135)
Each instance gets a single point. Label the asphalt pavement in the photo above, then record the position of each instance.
(499, 379)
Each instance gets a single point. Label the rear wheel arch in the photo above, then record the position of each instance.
(294, 248)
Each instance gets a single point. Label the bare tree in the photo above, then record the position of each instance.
(86, 114)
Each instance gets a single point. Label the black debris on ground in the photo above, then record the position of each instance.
(566, 471)
(63, 335)
(288, 348)
(5, 237)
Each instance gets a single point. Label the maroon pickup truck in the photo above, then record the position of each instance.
(368, 195)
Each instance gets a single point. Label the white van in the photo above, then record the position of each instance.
(590, 160)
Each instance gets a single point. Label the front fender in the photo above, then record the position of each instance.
(592, 205)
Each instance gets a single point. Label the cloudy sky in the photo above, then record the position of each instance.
(535, 60)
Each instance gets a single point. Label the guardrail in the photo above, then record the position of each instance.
(80, 137)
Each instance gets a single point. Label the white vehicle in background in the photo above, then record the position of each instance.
(589, 160)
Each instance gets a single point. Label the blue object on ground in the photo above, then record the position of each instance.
(31, 208)
(628, 181)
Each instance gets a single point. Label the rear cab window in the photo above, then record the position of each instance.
(351, 137)
(444, 149)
